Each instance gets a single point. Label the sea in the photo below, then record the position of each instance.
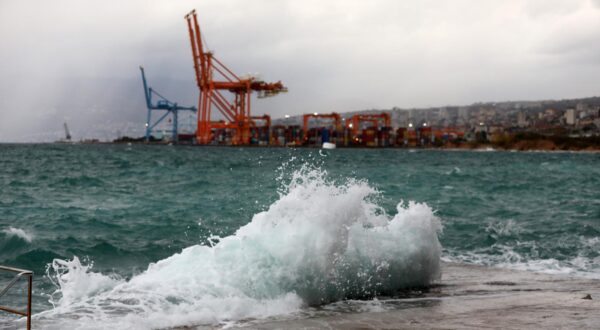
(157, 236)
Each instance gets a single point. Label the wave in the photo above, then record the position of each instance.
(577, 266)
(19, 233)
(585, 264)
(320, 242)
(80, 181)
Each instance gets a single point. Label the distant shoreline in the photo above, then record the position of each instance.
(522, 146)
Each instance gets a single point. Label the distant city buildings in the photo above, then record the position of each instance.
(570, 116)
(573, 117)
(580, 117)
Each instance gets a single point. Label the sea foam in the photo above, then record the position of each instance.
(320, 242)
(586, 264)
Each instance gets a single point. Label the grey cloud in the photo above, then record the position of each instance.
(79, 60)
(553, 8)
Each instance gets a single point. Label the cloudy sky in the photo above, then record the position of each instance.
(78, 60)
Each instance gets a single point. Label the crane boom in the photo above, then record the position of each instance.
(212, 77)
(163, 105)
(67, 133)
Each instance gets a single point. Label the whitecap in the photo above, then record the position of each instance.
(18, 232)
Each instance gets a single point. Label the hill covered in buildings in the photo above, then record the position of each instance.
(532, 115)
(569, 124)
(572, 124)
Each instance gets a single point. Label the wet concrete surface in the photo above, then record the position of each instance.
(470, 297)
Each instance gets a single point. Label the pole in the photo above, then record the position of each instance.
(148, 97)
(175, 125)
(29, 302)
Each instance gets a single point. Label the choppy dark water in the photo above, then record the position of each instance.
(124, 207)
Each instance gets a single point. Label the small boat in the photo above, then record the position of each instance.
(328, 145)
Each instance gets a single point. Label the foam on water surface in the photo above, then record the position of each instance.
(581, 265)
(320, 242)
(18, 232)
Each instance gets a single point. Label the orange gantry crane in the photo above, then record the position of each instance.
(321, 132)
(212, 77)
(354, 123)
(337, 120)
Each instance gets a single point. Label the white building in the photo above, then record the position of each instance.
(570, 116)
(521, 119)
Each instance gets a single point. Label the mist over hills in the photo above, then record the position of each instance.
(98, 108)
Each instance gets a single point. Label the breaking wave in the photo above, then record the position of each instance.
(18, 232)
(320, 242)
(585, 264)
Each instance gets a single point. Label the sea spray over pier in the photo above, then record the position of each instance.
(319, 242)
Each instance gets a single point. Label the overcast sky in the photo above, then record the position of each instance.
(78, 60)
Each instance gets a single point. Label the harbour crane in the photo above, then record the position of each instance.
(67, 133)
(213, 77)
(163, 104)
(354, 123)
(322, 134)
(337, 120)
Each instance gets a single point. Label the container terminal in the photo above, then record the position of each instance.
(223, 117)
(223, 93)
(356, 131)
